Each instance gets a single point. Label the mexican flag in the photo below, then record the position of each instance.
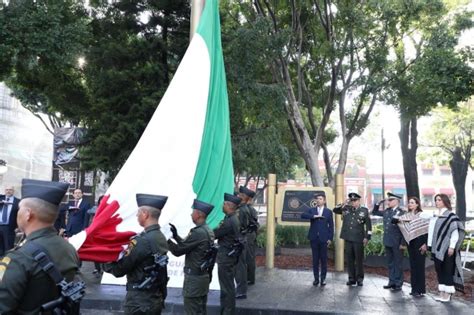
(184, 152)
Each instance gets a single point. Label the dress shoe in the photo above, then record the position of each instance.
(323, 282)
(241, 296)
(315, 282)
(443, 298)
(388, 286)
(360, 283)
(396, 288)
(352, 283)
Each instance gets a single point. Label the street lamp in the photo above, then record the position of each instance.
(3, 167)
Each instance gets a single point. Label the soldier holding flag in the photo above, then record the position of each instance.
(139, 255)
(195, 246)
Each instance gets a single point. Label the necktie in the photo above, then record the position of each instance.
(5, 211)
(76, 203)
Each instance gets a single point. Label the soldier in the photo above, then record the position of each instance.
(356, 232)
(195, 246)
(243, 212)
(227, 235)
(24, 285)
(139, 255)
(392, 240)
(247, 196)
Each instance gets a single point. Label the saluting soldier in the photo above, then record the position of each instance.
(243, 212)
(139, 255)
(247, 196)
(24, 286)
(227, 235)
(356, 232)
(195, 246)
(392, 240)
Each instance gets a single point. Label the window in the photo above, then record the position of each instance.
(427, 201)
(259, 200)
(445, 171)
(427, 171)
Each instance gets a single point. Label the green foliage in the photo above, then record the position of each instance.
(40, 42)
(285, 236)
(449, 129)
(375, 245)
(129, 61)
(261, 140)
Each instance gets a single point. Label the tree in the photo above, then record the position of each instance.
(259, 128)
(130, 49)
(451, 139)
(40, 42)
(435, 74)
(333, 55)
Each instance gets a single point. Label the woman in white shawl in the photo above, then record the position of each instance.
(414, 227)
(445, 237)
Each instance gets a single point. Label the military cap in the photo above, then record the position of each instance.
(354, 196)
(52, 192)
(155, 201)
(319, 194)
(202, 206)
(393, 196)
(232, 198)
(247, 191)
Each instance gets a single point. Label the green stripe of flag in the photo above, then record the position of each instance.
(214, 172)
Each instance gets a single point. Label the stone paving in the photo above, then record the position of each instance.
(280, 291)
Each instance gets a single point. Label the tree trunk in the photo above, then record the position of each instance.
(409, 145)
(459, 167)
(303, 141)
(341, 166)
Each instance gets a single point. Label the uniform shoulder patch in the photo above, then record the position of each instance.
(3, 266)
(131, 246)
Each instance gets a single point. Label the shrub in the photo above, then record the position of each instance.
(284, 236)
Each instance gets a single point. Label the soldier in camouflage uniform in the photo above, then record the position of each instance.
(356, 232)
(195, 246)
(139, 255)
(24, 286)
(227, 234)
(243, 211)
(253, 225)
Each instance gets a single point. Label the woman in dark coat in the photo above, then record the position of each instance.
(414, 227)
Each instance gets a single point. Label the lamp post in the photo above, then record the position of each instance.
(383, 148)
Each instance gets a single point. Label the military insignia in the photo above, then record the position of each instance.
(3, 266)
(361, 214)
(130, 247)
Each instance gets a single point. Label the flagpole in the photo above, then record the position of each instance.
(196, 10)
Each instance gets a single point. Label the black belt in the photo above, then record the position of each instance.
(190, 272)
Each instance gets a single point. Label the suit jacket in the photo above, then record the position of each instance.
(77, 218)
(392, 237)
(321, 229)
(13, 213)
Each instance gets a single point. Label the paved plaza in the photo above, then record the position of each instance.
(280, 291)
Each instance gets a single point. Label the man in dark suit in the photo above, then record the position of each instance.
(392, 240)
(77, 217)
(8, 214)
(320, 234)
